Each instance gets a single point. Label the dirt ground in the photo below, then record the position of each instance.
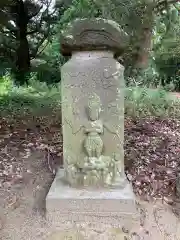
(29, 151)
(23, 206)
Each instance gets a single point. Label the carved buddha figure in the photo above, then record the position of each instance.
(93, 143)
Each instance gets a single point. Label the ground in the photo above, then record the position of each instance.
(22, 211)
(30, 150)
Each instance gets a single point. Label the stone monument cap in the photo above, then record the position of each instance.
(93, 34)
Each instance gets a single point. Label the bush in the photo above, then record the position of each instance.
(36, 98)
(6, 85)
(142, 102)
(39, 98)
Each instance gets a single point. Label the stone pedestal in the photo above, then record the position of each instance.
(87, 205)
(93, 185)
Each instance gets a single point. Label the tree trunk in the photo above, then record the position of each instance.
(145, 37)
(22, 52)
(141, 23)
(145, 48)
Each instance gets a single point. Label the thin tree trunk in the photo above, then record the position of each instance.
(22, 52)
(145, 43)
(145, 38)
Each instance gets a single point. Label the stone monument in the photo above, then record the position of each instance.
(92, 186)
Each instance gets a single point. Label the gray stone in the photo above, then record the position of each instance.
(93, 119)
(93, 34)
(64, 235)
(93, 184)
(90, 205)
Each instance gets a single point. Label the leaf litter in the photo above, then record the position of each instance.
(152, 151)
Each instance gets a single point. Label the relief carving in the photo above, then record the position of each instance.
(93, 142)
(95, 36)
(89, 34)
(95, 169)
(70, 167)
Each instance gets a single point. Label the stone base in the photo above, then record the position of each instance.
(107, 206)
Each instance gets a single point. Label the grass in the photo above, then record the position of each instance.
(142, 102)
(39, 99)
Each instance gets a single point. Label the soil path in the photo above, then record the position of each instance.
(23, 205)
(28, 155)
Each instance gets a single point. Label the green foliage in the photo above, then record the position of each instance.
(35, 99)
(166, 48)
(25, 34)
(80, 9)
(5, 85)
(143, 102)
(50, 71)
(41, 99)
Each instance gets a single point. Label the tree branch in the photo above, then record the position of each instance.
(164, 3)
(37, 28)
(39, 25)
(35, 13)
(4, 20)
(176, 7)
(42, 49)
(34, 54)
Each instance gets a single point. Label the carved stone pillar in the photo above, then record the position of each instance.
(92, 90)
(93, 104)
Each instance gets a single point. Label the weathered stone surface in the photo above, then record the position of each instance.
(64, 235)
(93, 34)
(118, 234)
(93, 119)
(83, 205)
(93, 186)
